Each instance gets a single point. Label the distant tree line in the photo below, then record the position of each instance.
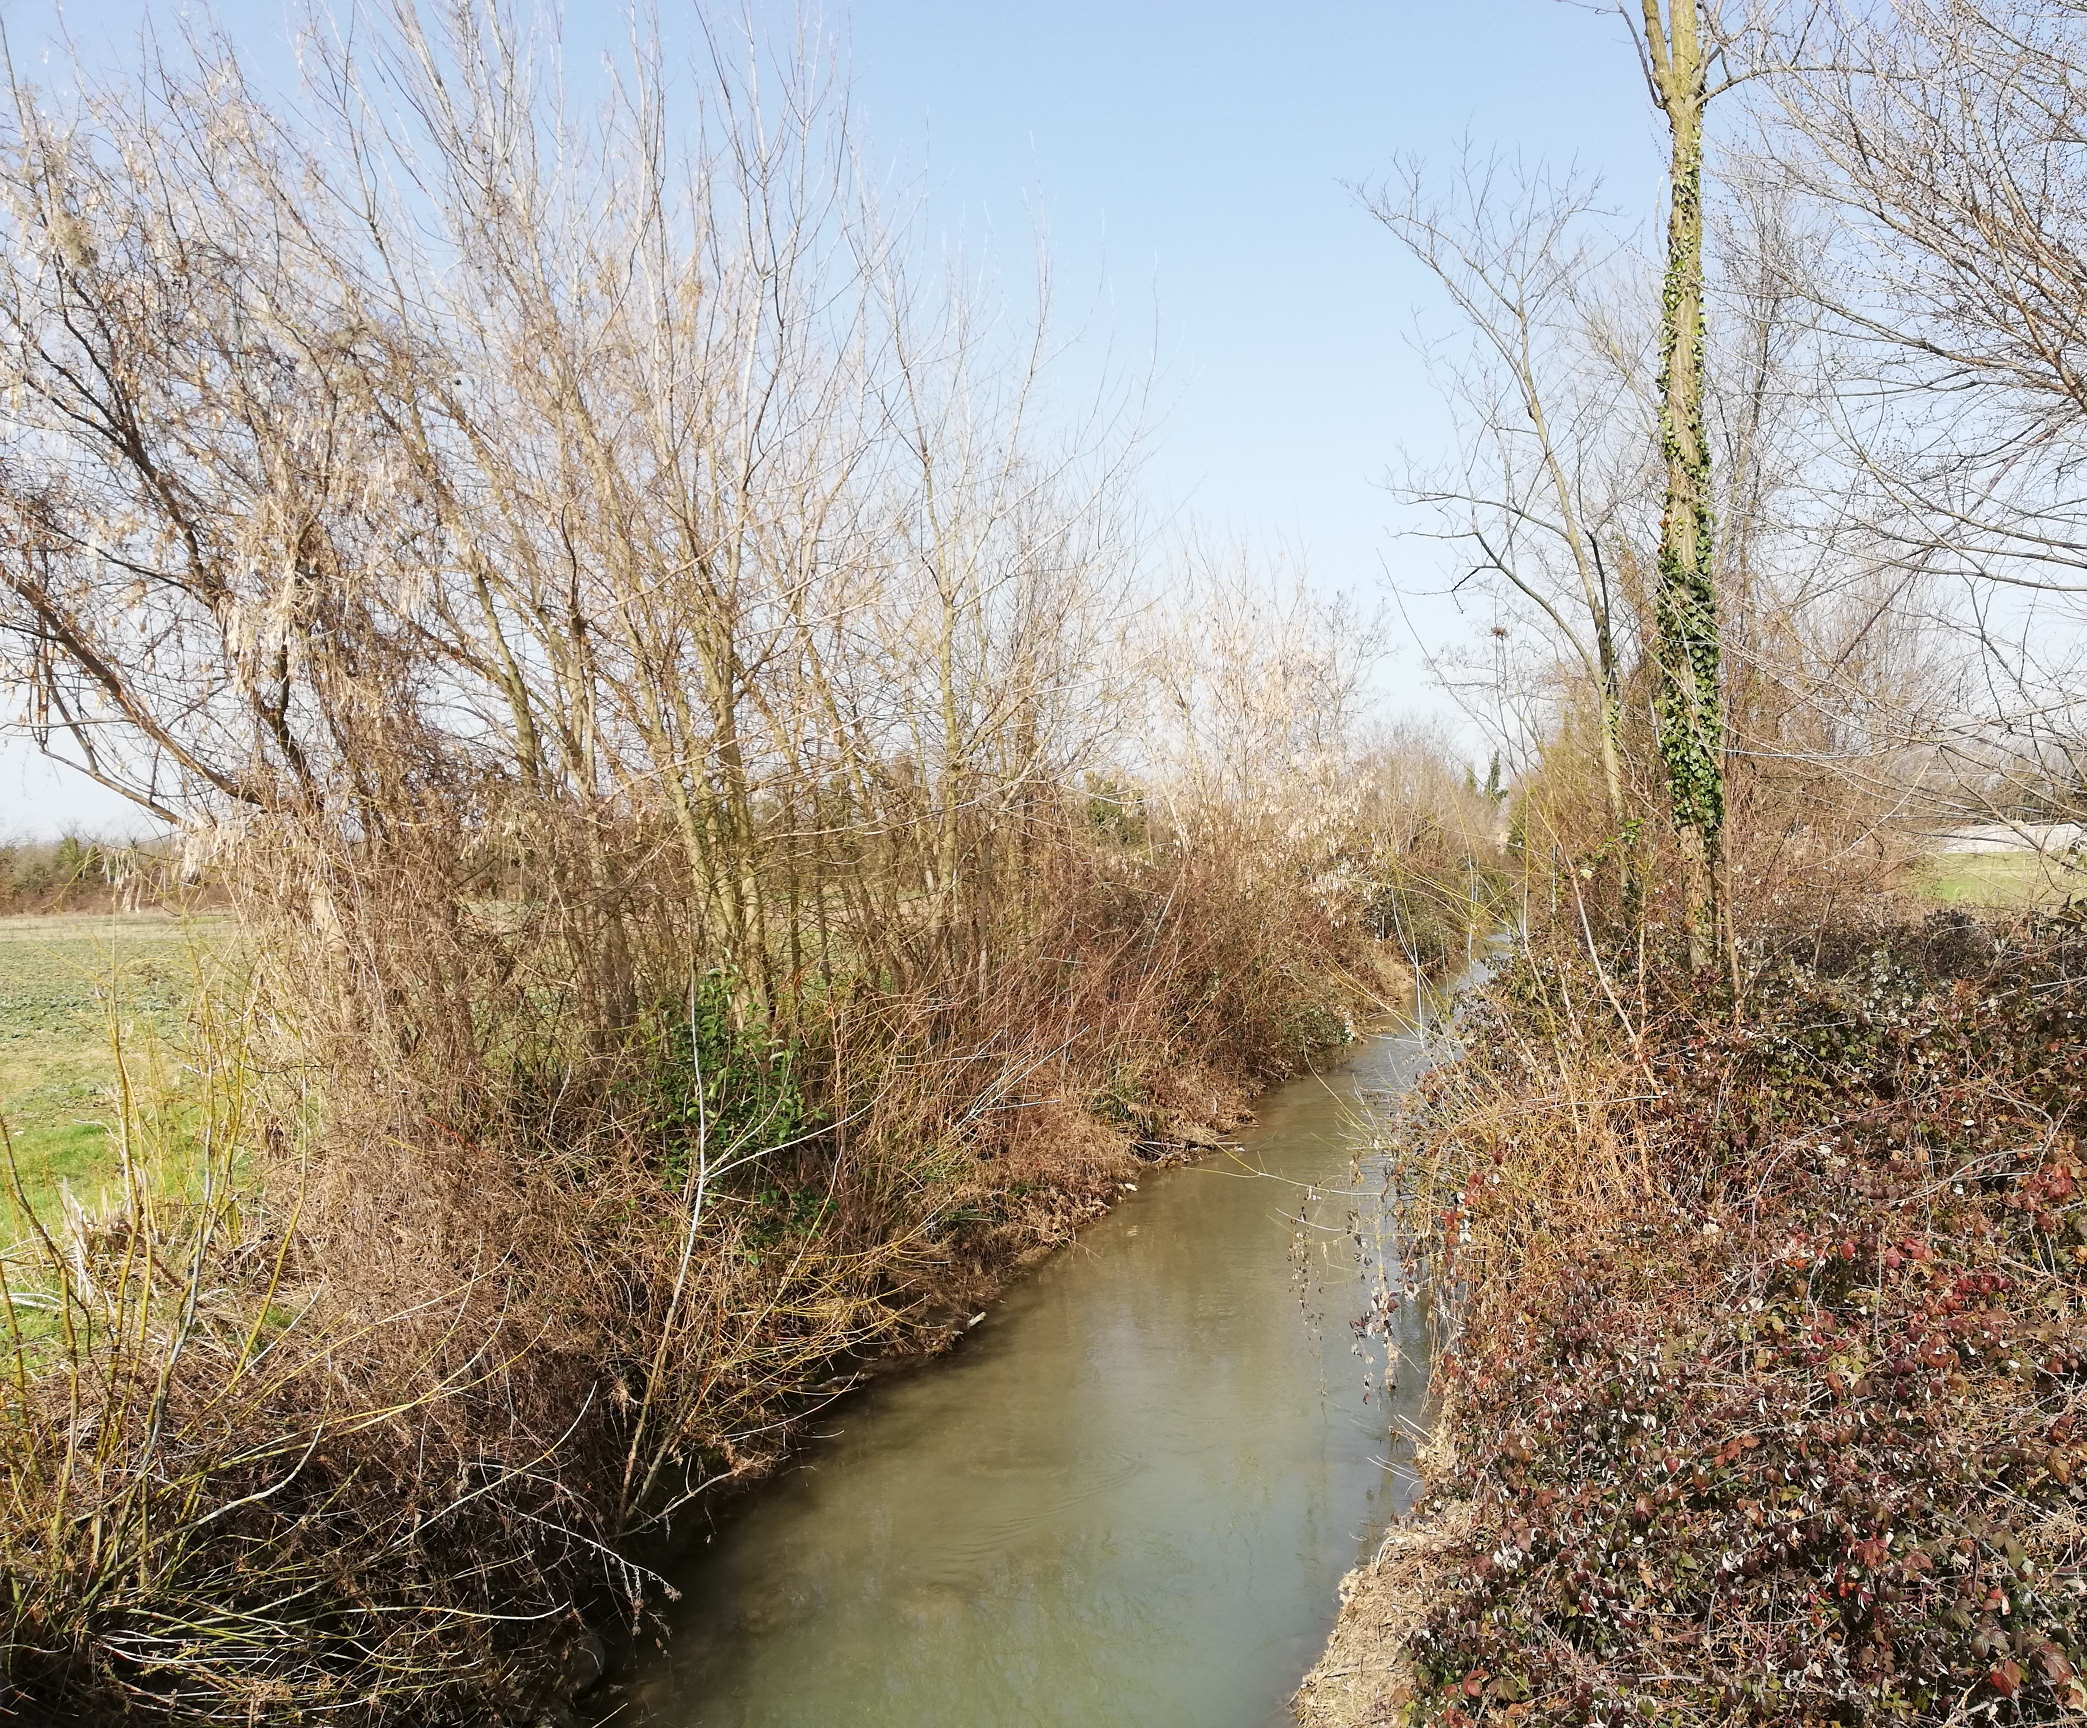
(85, 873)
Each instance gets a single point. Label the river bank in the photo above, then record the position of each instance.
(1036, 1213)
(467, 1480)
(1764, 1390)
(1126, 1496)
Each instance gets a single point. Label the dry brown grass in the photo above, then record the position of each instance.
(478, 1283)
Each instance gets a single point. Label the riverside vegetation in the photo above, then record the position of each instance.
(718, 854)
(726, 838)
(1765, 1396)
(1752, 1208)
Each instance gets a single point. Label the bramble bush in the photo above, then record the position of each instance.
(1767, 1370)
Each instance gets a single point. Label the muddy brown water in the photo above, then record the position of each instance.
(1126, 1498)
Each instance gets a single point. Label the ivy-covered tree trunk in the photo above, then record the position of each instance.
(1686, 646)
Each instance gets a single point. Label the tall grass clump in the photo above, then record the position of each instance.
(720, 863)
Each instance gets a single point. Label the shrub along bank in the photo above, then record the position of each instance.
(1764, 1379)
(474, 1282)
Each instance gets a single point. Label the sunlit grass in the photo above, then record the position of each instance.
(2000, 879)
(78, 996)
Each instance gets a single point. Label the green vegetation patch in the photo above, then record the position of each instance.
(2000, 880)
(74, 993)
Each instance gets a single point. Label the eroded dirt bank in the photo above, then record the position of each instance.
(1365, 1678)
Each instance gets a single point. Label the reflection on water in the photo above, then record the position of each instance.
(1126, 1499)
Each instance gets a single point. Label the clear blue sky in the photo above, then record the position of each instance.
(1185, 162)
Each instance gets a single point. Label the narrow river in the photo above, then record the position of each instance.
(1127, 1498)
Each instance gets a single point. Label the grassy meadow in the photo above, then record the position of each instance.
(83, 998)
(1999, 881)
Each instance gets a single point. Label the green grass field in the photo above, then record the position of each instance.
(75, 991)
(2000, 880)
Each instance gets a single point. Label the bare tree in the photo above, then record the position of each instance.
(1833, 686)
(1511, 252)
(1940, 143)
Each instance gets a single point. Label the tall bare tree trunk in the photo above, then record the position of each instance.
(1691, 713)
